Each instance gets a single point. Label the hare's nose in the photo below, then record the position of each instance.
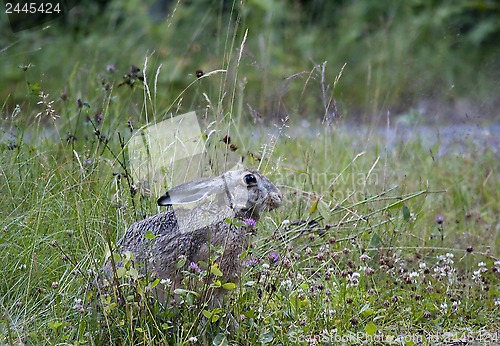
(275, 199)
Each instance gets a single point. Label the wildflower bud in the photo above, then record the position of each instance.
(369, 271)
(194, 267)
(439, 219)
(287, 264)
(273, 257)
(320, 256)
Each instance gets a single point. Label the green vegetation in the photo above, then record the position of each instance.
(373, 242)
(439, 59)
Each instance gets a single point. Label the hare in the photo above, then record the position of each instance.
(193, 234)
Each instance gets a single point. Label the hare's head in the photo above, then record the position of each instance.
(246, 191)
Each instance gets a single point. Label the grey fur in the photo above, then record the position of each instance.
(240, 194)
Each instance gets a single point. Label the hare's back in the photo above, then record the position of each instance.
(160, 224)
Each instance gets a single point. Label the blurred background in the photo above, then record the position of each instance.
(417, 61)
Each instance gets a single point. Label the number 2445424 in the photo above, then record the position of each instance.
(32, 7)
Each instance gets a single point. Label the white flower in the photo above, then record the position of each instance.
(78, 305)
(365, 258)
(286, 285)
(422, 265)
(443, 306)
(481, 264)
(353, 279)
(166, 282)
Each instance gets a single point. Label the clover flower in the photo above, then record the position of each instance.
(250, 222)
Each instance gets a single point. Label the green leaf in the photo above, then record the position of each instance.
(149, 235)
(55, 324)
(120, 272)
(207, 314)
(116, 257)
(183, 292)
(375, 241)
(250, 314)
(368, 312)
(267, 337)
(406, 213)
(314, 207)
(129, 256)
(181, 263)
(371, 328)
(229, 286)
(34, 86)
(220, 340)
(134, 274)
(214, 315)
(155, 283)
(395, 205)
(214, 269)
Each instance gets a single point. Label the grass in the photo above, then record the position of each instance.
(396, 57)
(374, 241)
(360, 253)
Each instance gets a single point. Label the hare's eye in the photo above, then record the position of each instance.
(250, 179)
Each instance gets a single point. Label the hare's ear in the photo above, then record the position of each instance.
(192, 191)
